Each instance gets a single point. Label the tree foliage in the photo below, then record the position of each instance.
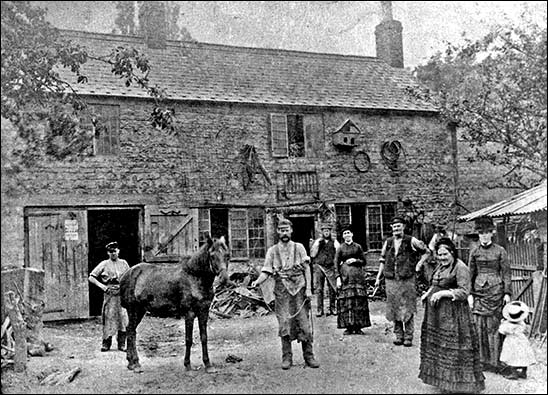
(44, 109)
(133, 16)
(494, 89)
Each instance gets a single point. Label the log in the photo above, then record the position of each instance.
(58, 378)
(19, 330)
(5, 326)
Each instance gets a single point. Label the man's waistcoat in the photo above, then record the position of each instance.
(403, 264)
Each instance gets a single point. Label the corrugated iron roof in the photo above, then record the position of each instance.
(220, 73)
(526, 202)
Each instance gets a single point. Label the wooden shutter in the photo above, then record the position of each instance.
(278, 130)
(57, 242)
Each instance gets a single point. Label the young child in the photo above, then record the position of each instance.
(516, 352)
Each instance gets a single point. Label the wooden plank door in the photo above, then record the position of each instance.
(173, 234)
(57, 243)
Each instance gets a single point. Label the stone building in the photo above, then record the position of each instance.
(260, 134)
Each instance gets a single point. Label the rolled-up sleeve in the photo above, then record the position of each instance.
(383, 252)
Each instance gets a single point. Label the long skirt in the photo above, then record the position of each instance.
(293, 313)
(353, 307)
(115, 317)
(401, 299)
(487, 311)
(449, 352)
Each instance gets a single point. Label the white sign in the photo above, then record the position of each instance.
(71, 229)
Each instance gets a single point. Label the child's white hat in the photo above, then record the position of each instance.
(515, 311)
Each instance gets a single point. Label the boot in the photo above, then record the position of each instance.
(106, 344)
(512, 375)
(121, 339)
(522, 373)
(308, 355)
(287, 354)
(398, 331)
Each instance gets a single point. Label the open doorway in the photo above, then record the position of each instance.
(104, 226)
(303, 230)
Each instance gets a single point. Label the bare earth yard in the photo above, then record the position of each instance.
(349, 364)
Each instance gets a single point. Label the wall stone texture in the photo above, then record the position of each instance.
(202, 161)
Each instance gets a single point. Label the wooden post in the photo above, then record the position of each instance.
(19, 330)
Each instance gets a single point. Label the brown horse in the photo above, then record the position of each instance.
(182, 290)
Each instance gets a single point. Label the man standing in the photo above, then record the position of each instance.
(106, 276)
(398, 264)
(323, 252)
(289, 265)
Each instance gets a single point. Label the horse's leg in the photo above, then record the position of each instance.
(189, 328)
(203, 315)
(135, 315)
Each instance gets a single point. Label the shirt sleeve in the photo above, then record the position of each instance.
(98, 270)
(463, 282)
(314, 248)
(336, 244)
(505, 271)
(383, 252)
(126, 267)
(361, 256)
(302, 253)
(419, 246)
(268, 261)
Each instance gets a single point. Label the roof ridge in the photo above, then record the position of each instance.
(231, 48)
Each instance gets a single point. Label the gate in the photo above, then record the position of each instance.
(523, 262)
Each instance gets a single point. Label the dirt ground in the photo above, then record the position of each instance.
(349, 364)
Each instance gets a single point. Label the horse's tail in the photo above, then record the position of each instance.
(127, 285)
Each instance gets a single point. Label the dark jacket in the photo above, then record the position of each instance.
(402, 265)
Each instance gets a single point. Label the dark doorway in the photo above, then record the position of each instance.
(358, 225)
(104, 226)
(303, 231)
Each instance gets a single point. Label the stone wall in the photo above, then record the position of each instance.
(202, 162)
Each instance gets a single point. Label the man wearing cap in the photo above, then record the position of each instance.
(289, 265)
(491, 289)
(323, 252)
(398, 264)
(106, 276)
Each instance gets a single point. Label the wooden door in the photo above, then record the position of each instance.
(173, 234)
(57, 243)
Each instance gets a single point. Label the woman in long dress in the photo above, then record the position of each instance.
(352, 301)
(449, 353)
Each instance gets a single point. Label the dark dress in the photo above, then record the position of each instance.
(352, 301)
(450, 357)
(490, 280)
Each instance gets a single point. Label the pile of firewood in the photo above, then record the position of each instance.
(8, 343)
(240, 301)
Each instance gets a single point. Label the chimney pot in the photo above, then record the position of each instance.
(153, 21)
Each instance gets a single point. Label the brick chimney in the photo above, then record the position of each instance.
(153, 23)
(388, 37)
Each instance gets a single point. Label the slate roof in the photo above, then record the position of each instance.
(529, 201)
(221, 73)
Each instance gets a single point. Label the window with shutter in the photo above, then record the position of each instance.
(256, 232)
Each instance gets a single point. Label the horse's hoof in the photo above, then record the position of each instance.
(135, 367)
(210, 369)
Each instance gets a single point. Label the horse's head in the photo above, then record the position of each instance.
(218, 257)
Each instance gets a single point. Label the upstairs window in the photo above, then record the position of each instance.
(106, 127)
(287, 135)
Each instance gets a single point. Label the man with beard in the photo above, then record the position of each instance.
(289, 265)
(398, 264)
(323, 252)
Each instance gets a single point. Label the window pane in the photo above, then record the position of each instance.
(295, 135)
(107, 128)
(256, 232)
(278, 126)
(374, 227)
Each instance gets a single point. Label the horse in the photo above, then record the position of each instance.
(181, 290)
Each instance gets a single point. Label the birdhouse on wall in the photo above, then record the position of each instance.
(347, 135)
